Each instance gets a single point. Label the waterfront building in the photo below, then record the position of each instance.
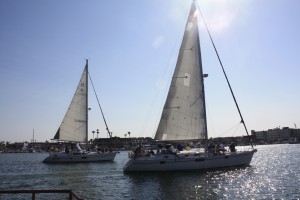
(276, 135)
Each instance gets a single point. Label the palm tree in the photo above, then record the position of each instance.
(125, 135)
(128, 134)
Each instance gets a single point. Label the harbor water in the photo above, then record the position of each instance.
(274, 173)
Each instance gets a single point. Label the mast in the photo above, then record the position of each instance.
(86, 66)
(33, 135)
(202, 76)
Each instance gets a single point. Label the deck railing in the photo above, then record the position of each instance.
(71, 194)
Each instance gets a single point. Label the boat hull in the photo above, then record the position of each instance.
(63, 157)
(193, 161)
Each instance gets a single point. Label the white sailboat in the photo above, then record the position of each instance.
(74, 128)
(184, 116)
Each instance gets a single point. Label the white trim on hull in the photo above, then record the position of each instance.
(170, 162)
(63, 157)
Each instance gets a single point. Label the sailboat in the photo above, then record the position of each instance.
(74, 129)
(184, 117)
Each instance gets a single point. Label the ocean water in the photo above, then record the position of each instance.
(274, 173)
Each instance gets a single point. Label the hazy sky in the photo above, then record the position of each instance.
(132, 47)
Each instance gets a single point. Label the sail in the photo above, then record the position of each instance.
(74, 124)
(183, 116)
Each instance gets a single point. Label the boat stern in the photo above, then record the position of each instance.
(128, 166)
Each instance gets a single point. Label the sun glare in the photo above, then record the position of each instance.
(196, 13)
(220, 14)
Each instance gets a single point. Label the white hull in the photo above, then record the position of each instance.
(76, 157)
(192, 161)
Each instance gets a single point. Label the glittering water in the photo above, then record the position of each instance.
(274, 174)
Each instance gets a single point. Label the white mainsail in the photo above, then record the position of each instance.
(183, 116)
(74, 125)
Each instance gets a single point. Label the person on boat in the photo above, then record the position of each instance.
(138, 151)
(67, 151)
(162, 149)
(222, 147)
(187, 147)
(151, 152)
(232, 147)
(159, 146)
(99, 149)
(211, 147)
(171, 149)
(72, 147)
(217, 149)
(179, 147)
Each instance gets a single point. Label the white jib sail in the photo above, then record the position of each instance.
(74, 124)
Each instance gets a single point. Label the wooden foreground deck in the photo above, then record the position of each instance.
(70, 193)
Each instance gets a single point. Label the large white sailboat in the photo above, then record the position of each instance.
(74, 128)
(184, 116)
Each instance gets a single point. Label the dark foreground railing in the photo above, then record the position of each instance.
(71, 194)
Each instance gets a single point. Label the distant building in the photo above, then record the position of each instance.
(118, 142)
(276, 135)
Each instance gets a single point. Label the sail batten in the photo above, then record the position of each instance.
(74, 124)
(183, 116)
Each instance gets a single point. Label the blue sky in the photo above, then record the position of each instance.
(132, 47)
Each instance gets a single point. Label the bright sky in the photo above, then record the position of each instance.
(132, 47)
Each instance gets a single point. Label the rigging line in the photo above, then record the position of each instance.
(236, 129)
(109, 133)
(242, 120)
(237, 125)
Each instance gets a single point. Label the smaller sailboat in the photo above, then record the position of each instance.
(184, 117)
(74, 129)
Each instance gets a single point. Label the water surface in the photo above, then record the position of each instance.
(273, 174)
